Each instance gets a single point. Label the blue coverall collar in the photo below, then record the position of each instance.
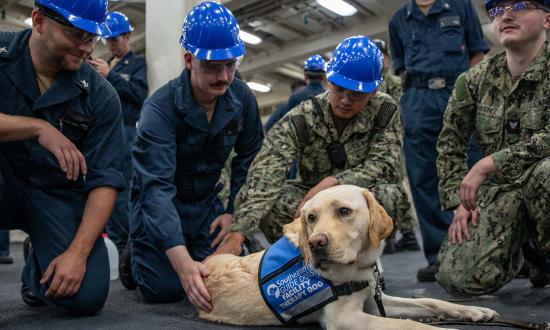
(185, 103)
(66, 86)
(438, 6)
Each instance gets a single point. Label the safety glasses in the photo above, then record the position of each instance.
(352, 95)
(512, 8)
(72, 32)
(214, 67)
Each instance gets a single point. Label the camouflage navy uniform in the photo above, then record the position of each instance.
(391, 85)
(372, 141)
(512, 120)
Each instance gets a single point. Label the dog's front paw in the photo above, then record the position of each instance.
(476, 314)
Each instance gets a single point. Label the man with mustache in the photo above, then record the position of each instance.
(61, 154)
(505, 198)
(348, 135)
(127, 72)
(185, 134)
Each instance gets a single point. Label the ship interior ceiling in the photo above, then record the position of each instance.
(290, 31)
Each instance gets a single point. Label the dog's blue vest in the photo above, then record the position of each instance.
(290, 288)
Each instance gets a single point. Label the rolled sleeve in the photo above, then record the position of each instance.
(104, 147)
(474, 34)
(396, 44)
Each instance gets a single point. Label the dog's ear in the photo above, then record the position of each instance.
(381, 225)
(304, 239)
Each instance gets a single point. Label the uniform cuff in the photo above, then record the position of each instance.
(509, 169)
(170, 241)
(112, 178)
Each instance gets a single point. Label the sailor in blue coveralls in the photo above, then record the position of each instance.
(432, 42)
(185, 134)
(127, 72)
(314, 75)
(61, 153)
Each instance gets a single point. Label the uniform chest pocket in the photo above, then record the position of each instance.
(75, 126)
(533, 121)
(231, 132)
(452, 39)
(315, 159)
(357, 152)
(489, 131)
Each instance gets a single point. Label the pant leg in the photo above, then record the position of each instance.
(151, 268)
(493, 257)
(4, 243)
(197, 231)
(537, 199)
(10, 197)
(118, 224)
(422, 119)
(282, 211)
(52, 220)
(152, 271)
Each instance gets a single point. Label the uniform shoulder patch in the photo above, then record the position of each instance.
(385, 114)
(302, 130)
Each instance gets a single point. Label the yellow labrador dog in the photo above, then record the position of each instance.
(340, 235)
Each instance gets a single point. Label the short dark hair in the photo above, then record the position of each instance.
(314, 75)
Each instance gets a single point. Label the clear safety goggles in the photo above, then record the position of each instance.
(215, 67)
(512, 8)
(72, 32)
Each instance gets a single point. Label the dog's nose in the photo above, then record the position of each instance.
(317, 242)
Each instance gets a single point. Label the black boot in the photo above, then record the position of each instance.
(427, 274)
(390, 245)
(525, 270)
(407, 242)
(29, 298)
(539, 274)
(125, 268)
(6, 260)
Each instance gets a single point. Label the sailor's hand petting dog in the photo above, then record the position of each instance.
(473, 180)
(191, 275)
(326, 183)
(224, 223)
(232, 244)
(459, 227)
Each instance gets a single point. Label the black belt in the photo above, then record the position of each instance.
(435, 83)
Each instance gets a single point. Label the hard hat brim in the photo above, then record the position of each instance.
(100, 29)
(353, 85)
(117, 34)
(215, 54)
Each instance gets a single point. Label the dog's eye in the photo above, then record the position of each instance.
(311, 218)
(344, 211)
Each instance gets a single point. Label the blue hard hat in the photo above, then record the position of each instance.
(491, 3)
(315, 63)
(87, 15)
(118, 24)
(211, 32)
(356, 64)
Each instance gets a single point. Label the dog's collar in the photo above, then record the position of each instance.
(348, 288)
